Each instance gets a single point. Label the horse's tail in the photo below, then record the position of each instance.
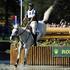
(47, 13)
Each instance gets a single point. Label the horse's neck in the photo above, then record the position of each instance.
(25, 35)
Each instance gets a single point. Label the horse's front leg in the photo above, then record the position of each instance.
(25, 54)
(19, 51)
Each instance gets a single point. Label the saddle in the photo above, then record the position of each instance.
(29, 28)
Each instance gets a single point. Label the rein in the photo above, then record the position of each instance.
(21, 33)
(27, 37)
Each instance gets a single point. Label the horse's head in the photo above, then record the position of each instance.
(14, 32)
(19, 31)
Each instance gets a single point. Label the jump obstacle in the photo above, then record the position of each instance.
(42, 55)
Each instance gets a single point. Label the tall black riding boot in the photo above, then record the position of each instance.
(35, 39)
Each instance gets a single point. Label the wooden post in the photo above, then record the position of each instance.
(21, 60)
(14, 52)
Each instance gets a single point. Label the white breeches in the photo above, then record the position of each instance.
(34, 26)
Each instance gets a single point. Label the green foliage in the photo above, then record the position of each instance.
(26, 5)
(55, 42)
(42, 6)
(63, 6)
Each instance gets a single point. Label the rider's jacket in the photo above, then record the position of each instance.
(31, 13)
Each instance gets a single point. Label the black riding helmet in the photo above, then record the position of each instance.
(30, 4)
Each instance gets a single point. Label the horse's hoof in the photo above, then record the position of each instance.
(15, 65)
(17, 61)
(24, 62)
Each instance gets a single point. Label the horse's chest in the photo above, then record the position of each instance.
(25, 37)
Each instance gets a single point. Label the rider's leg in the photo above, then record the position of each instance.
(33, 31)
(35, 39)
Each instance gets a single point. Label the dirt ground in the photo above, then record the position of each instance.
(28, 67)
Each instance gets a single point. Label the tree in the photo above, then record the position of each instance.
(25, 4)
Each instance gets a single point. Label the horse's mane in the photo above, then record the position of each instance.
(24, 28)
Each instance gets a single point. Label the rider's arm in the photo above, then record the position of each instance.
(25, 17)
(30, 20)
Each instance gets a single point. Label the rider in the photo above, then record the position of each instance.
(32, 21)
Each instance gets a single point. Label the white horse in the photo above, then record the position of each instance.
(25, 35)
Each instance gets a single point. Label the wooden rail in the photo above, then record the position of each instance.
(55, 36)
(43, 56)
(57, 30)
(40, 56)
